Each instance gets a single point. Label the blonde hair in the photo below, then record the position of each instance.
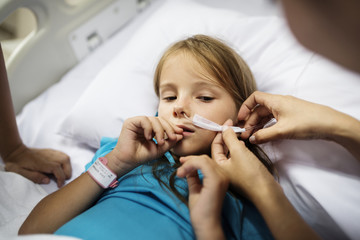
(218, 60)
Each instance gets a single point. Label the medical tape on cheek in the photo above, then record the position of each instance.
(209, 125)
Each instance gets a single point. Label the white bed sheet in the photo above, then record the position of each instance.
(40, 119)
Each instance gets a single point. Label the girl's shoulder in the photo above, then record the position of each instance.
(106, 145)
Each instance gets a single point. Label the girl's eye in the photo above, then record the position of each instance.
(205, 98)
(169, 98)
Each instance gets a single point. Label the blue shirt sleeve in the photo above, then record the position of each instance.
(106, 145)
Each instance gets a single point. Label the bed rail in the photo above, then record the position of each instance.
(65, 34)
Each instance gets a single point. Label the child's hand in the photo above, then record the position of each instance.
(136, 146)
(206, 198)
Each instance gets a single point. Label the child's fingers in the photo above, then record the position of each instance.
(168, 144)
(170, 129)
(140, 125)
(158, 130)
(165, 130)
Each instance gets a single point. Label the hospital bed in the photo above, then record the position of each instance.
(97, 59)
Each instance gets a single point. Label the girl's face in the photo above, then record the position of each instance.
(186, 89)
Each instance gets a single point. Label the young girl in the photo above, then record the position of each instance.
(199, 75)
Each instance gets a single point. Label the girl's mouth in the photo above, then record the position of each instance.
(187, 131)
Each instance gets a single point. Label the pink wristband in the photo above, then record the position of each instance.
(102, 175)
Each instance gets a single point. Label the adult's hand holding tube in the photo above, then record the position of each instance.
(248, 176)
(298, 119)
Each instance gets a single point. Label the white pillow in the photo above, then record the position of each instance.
(124, 87)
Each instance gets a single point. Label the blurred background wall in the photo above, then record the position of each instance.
(19, 25)
(15, 28)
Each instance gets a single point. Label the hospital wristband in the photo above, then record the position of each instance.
(102, 175)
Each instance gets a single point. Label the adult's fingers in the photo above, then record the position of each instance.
(255, 99)
(266, 135)
(218, 149)
(34, 176)
(53, 162)
(194, 182)
(58, 172)
(232, 142)
(259, 116)
(60, 158)
(54, 168)
(194, 163)
(67, 168)
(185, 168)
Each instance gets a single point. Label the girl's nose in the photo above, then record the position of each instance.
(179, 111)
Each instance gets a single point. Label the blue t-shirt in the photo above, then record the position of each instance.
(141, 208)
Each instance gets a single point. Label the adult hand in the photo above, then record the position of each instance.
(136, 146)
(296, 118)
(248, 176)
(206, 198)
(38, 164)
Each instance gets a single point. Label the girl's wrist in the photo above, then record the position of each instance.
(116, 164)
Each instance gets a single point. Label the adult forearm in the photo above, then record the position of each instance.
(281, 217)
(59, 207)
(9, 135)
(346, 132)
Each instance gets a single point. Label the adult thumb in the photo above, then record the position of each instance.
(231, 140)
(264, 135)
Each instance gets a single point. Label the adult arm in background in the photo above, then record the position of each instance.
(34, 164)
(298, 119)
